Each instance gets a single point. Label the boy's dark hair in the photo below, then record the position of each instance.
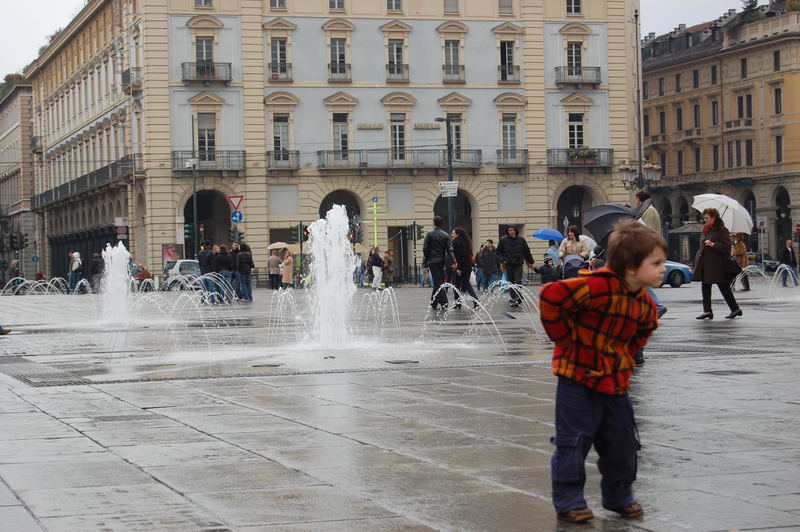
(631, 243)
(244, 247)
(490, 240)
(438, 221)
(643, 195)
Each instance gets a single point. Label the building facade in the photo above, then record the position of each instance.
(16, 182)
(719, 116)
(297, 106)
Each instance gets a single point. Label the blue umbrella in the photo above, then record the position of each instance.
(548, 234)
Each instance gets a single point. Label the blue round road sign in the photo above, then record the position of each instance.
(237, 216)
(35, 258)
(374, 199)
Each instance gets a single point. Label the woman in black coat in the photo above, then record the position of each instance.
(462, 251)
(223, 265)
(709, 264)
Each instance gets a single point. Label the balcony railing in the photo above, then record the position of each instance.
(692, 132)
(36, 144)
(578, 75)
(283, 160)
(279, 72)
(453, 74)
(206, 71)
(572, 158)
(397, 72)
(396, 158)
(339, 72)
(512, 158)
(508, 74)
(131, 78)
(222, 160)
(741, 123)
(107, 174)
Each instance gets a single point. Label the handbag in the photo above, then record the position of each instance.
(731, 269)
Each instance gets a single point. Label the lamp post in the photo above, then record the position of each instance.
(192, 163)
(450, 203)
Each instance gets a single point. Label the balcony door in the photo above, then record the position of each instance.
(575, 130)
(280, 137)
(204, 55)
(207, 137)
(278, 66)
(507, 60)
(456, 136)
(509, 136)
(340, 136)
(398, 132)
(451, 61)
(574, 60)
(338, 67)
(395, 57)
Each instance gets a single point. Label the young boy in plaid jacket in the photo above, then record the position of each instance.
(598, 322)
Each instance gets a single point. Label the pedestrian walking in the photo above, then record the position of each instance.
(462, 252)
(597, 321)
(376, 264)
(288, 269)
(788, 257)
(488, 259)
(13, 270)
(437, 255)
(223, 267)
(512, 252)
(547, 271)
(244, 267)
(739, 253)
(235, 249)
(709, 264)
(96, 267)
(478, 268)
(387, 269)
(274, 269)
(75, 270)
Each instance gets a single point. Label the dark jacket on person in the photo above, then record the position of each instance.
(513, 251)
(462, 255)
(547, 272)
(206, 260)
(788, 256)
(437, 248)
(487, 259)
(97, 266)
(709, 263)
(223, 262)
(244, 262)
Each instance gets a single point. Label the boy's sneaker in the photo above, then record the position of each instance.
(4, 331)
(634, 509)
(576, 516)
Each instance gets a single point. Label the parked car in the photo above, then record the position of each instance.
(766, 263)
(184, 267)
(677, 274)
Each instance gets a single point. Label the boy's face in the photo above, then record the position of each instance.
(650, 273)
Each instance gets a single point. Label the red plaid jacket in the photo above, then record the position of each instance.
(598, 326)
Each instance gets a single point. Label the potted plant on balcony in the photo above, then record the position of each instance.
(583, 155)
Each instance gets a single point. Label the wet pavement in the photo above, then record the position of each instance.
(433, 426)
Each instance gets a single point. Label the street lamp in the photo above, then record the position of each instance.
(192, 163)
(450, 204)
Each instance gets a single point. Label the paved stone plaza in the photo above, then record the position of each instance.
(176, 427)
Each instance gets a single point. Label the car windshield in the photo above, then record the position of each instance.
(169, 265)
(190, 268)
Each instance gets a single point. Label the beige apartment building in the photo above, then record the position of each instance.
(297, 105)
(721, 116)
(16, 180)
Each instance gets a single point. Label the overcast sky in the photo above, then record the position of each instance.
(24, 24)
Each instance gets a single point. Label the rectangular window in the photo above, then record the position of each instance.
(713, 74)
(748, 152)
(506, 7)
(646, 125)
(645, 92)
(204, 49)
(715, 113)
(396, 57)
(574, 7)
(715, 157)
(397, 130)
(748, 104)
(696, 113)
(677, 83)
(507, 61)
(661, 86)
(776, 60)
(730, 154)
(679, 119)
(738, 153)
(335, 4)
(451, 52)
(451, 6)
(394, 5)
(777, 95)
(697, 159)
(662, 122)
(575, 130)
(455, 133)
(680, 161)
(278, 65)
(509, 136)
(203, 3)
(778, 148)
(574, 58)
(281, 4)
(740, 107)
(695, 79)
(663, 157)
(338, 57)
(743, 67)
(280, 136)
(340, 136)
(207, 136)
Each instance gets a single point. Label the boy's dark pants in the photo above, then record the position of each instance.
(583, 417)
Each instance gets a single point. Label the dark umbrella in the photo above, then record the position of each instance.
(601, 220)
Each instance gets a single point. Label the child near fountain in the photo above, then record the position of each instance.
(598, 321)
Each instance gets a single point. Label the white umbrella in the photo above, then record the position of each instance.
(734, 216)
(278, 245)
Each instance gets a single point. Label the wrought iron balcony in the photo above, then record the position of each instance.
(115, 171)
(132, 79)
(571, 75)
(206, 71)
(277, 72)
(217, 160)
(339, 72)
(283, 160)
(397, 72)
(508, 74)
(580, 158)
(453, 74)
(411, 158)
(512, 158)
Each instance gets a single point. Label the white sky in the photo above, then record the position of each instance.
(24, 24)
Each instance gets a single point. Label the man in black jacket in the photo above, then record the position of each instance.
(437, 252)
(512, 251)
(788, 257)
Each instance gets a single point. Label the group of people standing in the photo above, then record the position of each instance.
(280, 269)
(233, 268)
(377, 270)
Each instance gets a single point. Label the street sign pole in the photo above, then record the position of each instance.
(450, 203)
(375, 221)
(414, 239)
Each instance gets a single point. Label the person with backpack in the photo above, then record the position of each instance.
(512, 252)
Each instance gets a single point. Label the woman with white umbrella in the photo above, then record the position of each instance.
(709, 264)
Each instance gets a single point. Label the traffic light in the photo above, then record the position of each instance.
(232, 234)
(188, 231)
(14, 243)
(2, 242)
(305, 233)
(24, 240)
(354, 232)
(239, 236)
(296, 233)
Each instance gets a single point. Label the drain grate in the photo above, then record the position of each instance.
(724, 372)
(707, 349)
(37, 374)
